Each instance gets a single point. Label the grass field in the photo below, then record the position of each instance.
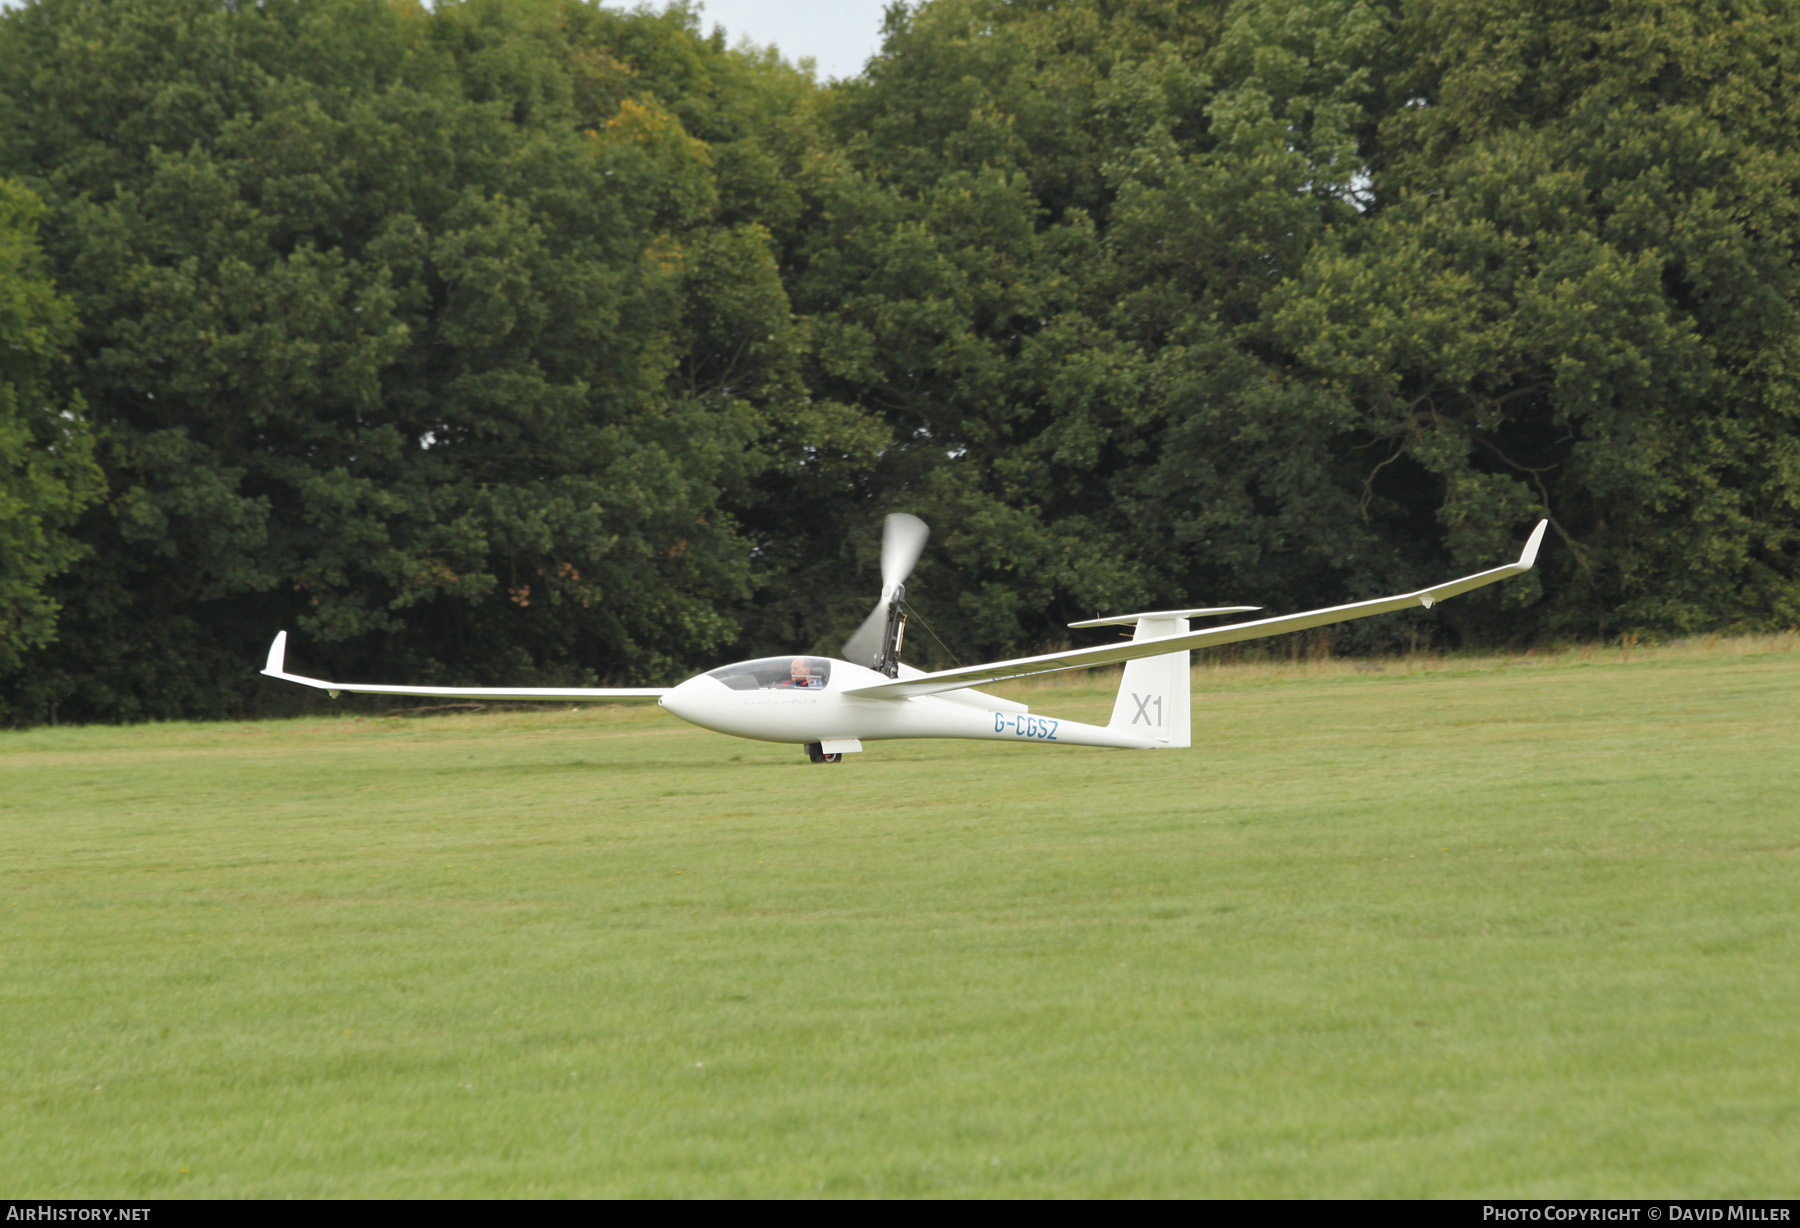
(1458, 928)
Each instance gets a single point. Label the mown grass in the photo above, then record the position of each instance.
(1481, 927)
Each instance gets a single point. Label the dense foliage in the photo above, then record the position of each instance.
(529, 340)
(1296, 300)
(47, 472)
(438, 337)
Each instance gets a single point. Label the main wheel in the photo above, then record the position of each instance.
(816, 752)
(837, 758)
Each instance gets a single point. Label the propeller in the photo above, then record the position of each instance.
(902, 541)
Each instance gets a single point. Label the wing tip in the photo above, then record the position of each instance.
(1528, 558)
(275, 666)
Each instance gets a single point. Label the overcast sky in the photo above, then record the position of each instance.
(840, 35)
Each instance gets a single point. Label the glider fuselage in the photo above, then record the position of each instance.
(781, 708)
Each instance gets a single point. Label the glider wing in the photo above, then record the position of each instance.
(1110, 654)
(276, 669)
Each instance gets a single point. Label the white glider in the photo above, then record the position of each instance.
(832, 706)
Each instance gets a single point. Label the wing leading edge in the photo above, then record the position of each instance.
(1112, 654)
(275, 668)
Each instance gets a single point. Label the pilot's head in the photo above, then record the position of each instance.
(800, 670)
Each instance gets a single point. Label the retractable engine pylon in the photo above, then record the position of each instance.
(888, 660)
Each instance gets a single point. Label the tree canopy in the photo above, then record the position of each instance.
(530, 340)
(47, 472)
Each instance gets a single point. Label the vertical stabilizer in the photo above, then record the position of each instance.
(1153, 695)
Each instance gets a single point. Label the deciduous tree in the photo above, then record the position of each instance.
(47, 472)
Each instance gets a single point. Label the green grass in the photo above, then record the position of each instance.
(1453, 928)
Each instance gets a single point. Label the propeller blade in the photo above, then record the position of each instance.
(865, 642)
(902, 541)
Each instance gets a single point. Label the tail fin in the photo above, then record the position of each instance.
(1153, 695)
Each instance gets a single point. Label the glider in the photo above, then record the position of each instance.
(831, 706)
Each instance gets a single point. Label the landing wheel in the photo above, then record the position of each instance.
(816, 753)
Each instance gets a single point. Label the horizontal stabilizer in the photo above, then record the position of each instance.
(276, 668)
(1211, 637)
(1127, 620)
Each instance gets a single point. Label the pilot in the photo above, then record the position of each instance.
(799, 675)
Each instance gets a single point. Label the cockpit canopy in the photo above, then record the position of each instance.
(776, 673)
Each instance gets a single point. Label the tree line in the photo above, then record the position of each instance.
(530, 341)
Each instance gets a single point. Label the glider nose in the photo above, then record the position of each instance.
(688, 699)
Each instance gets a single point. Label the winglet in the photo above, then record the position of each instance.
(1529, 559)
(275, 667)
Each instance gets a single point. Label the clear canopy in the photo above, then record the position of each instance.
(776, 673)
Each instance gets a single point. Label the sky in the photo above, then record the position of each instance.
(840, 35)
